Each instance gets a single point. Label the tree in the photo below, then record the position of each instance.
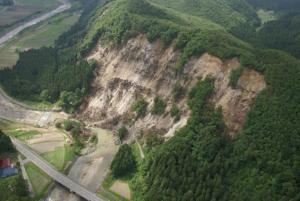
(6, 145)
(122, 132)
(158, 107)
(124, 162)
(140, 107)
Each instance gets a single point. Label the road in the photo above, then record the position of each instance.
(15, 111)
(65, 6)
(54, 174)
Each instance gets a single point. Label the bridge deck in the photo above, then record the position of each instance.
(54, 174)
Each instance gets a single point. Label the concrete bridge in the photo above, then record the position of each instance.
(54, 174)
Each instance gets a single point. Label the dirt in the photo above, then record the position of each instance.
(89, 170)
(121, 188)
(142, 69)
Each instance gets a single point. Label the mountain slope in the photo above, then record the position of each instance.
(230, 13)
(145, 52)
(278, 5)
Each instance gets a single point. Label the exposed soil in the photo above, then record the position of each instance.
(89, 170)
(121, 188)
(143, 69)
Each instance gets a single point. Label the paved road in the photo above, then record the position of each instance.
(66, 5)
(54, 174)
(15, 111)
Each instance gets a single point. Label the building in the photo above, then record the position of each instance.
(7, 172)
(5, 163)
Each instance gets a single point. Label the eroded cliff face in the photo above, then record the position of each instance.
(143, 69)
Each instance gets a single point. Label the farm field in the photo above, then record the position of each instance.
(39, 180)
(60, 157)
(43, 34)
(22, 10)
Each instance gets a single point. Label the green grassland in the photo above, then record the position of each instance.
(43, 34)
(23, 135)
(265, 17)
(40, 180)
(60, 157)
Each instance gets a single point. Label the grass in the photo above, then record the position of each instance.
(38, 105)
(23, 135)
(265, 16)
(60, 157)
(40, 180)
(107, 193)
(43, 34)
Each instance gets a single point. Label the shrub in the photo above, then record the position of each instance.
(58, 124)
(6, 145)
(235, 76)
(124, 162)
(158, 107)
(140, 107)
(122, 132)
(175, 112)
(178, 91)
(68, 125)
(153, 140)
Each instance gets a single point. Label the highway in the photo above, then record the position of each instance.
(53, 173)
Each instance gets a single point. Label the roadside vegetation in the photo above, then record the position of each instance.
(60, 157)
(39, 180)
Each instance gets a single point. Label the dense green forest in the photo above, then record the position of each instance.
(279, 5)
(124, 162)
(201, 162)
(229, 14)
(285, 34)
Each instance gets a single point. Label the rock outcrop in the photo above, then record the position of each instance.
(142, 69)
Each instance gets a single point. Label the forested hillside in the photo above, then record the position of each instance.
(6, 2)
(201, 162)
(278, 5)
(230, 13)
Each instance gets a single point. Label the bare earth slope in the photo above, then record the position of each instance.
(141, 69)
